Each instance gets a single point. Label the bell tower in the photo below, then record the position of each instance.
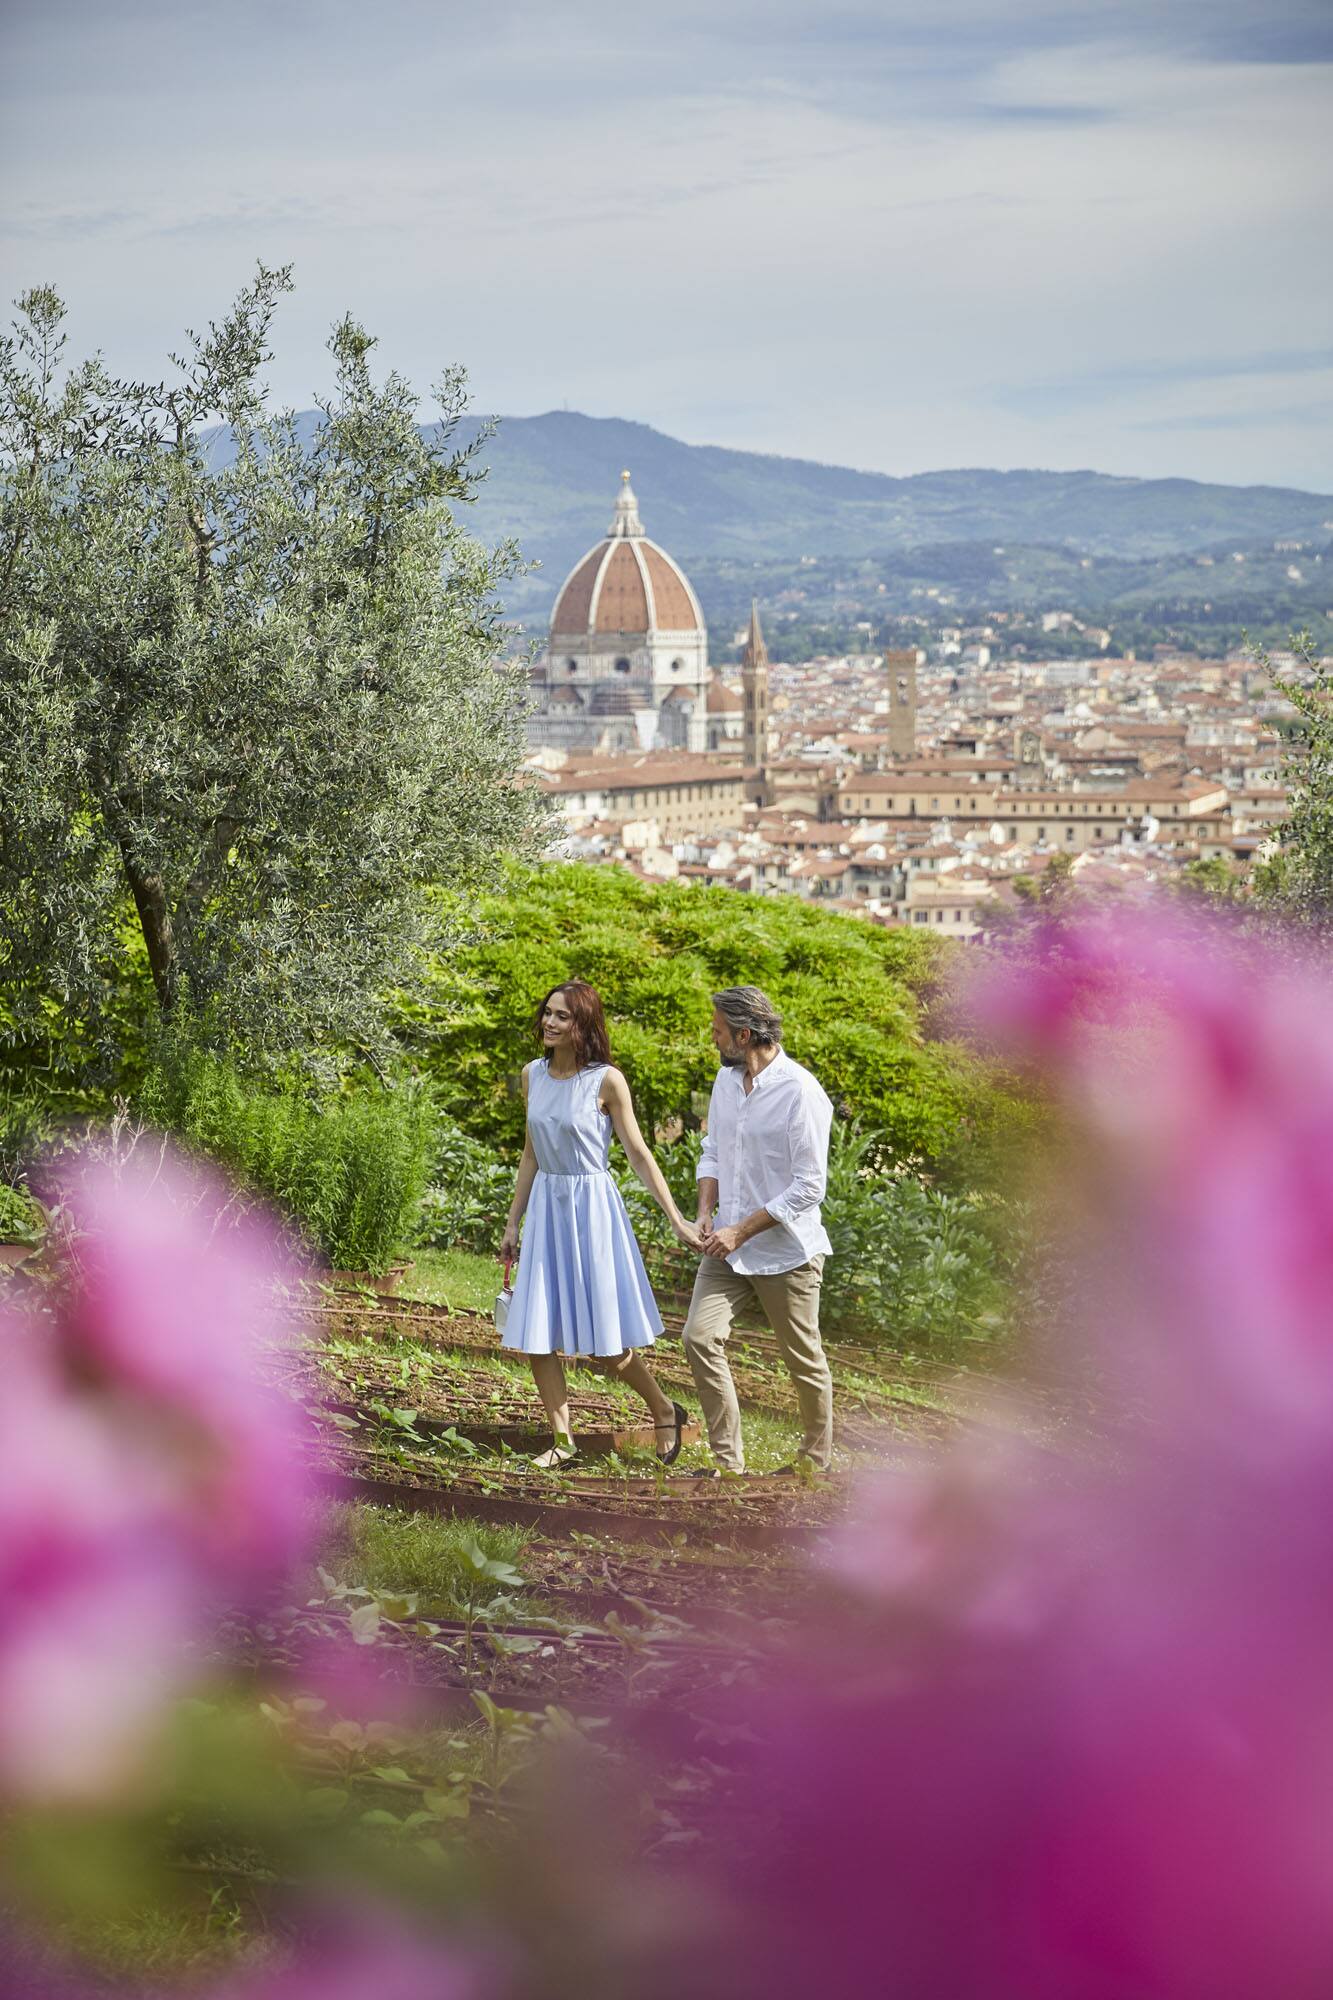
(754, 687)
(901, 669)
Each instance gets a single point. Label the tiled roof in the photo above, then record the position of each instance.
(672, 599)
(575, 600)
(609, 593)
(622, 600)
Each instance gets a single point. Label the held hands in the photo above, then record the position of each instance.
(714, 1242)
(689, 1233)
(720, 1242)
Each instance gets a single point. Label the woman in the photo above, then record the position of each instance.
(582, 1290)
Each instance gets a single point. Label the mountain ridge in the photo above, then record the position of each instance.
(551, 482)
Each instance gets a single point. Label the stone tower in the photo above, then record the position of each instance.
(754, 686)
(901, 670)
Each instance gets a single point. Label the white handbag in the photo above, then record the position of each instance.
(503, 1298)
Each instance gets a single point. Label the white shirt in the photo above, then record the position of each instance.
(768, 1148)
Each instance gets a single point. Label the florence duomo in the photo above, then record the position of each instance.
(626, 666)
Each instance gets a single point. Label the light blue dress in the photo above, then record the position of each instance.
(581, 1287)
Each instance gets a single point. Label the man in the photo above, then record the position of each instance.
(762, 1176)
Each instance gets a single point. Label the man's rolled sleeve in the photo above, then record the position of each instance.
(809, 1170)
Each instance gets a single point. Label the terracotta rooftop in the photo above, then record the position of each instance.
(634, 773)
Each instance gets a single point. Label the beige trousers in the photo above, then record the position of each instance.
(789, 1301)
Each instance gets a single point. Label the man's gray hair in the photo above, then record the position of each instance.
(749, 1007)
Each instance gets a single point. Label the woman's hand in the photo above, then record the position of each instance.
(509, 1244)
(687, 1232)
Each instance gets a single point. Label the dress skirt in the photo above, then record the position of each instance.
(581, 1288)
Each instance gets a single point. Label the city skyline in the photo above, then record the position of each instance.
(1054, 235)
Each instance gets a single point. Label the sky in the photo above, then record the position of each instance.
(1060, 233)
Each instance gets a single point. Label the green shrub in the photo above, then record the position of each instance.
(21, 1221)
(852, 995)
(912, 1263)
(348, 1173)
(468, 1198)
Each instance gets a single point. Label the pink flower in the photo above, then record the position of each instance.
(184, 1306)
(148, 1474)
(1069, 1728)
(362, 1953)
(96, 1595)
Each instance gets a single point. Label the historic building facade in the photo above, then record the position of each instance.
(626, 666)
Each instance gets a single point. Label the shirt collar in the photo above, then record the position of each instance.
(765, 1073)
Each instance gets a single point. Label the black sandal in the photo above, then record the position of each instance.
(679, 1419)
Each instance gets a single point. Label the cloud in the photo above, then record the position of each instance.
(1005, 231)
(1301, 414)
(1041, 114)
(1113, 384)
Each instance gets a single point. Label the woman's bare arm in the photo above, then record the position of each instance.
(616, 1100)
(527, 1174)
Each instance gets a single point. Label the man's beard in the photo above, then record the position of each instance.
(736, 1060)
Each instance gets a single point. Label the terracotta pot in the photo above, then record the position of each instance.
(383, 1283)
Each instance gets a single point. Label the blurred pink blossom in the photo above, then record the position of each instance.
(148, 1474)
(184, 1304)
(364, 1953)
(1196, 1070)
(96, 1600)
(1068, 1728)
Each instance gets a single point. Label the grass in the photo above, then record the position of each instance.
(400, 1554)
(455, 1278)
(160, 1943)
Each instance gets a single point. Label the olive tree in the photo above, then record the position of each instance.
(251, 697)
(1298, 880)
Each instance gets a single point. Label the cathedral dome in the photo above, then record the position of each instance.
(625, 587)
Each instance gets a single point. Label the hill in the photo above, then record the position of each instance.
(742, 521)
(552, 479)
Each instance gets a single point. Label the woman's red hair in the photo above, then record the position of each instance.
(592, 1044)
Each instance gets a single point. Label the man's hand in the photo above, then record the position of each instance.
(721, 1242)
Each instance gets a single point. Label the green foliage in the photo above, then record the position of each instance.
(392, 1551)
(1299, 880)
(348, 1173)
(911, 1263)
(249, 700)
(1210, 878)
(21, 1221)
(469, 1193)
(852, 996)
(73, 1057)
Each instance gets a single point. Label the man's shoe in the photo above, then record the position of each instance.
(700, 1472)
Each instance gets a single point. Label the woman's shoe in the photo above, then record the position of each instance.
(554, 1460)
(679, 1419)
